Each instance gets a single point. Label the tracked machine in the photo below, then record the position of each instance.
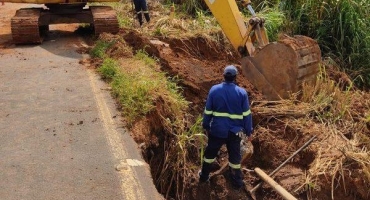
(29, 24)
(277, 69)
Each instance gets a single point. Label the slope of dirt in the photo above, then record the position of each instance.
(198, 61)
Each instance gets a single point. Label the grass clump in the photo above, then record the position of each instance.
(137, 86)
(341, 29)
(274, 22)
(109, 68)
(143, 56)
(332, 100)
(100, 48)
(133, 89)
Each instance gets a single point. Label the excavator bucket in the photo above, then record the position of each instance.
(277, 69)
(280, 68)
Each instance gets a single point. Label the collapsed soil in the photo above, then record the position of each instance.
(199, 61)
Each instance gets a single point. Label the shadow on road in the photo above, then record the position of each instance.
(65, 43)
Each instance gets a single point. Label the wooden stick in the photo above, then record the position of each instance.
(282, 164)
(285, 194)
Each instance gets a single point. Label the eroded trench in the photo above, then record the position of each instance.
(199, 62)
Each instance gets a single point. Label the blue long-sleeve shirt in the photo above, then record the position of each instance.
(227, 109)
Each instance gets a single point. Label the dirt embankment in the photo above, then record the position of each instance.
(280, 129)
(198, 61)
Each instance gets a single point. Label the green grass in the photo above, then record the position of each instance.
(138, 85)
(125, 13)
(143, 56)
(109, 68)
(192, 6)
(98, 51)
(274, 22)
(341, 28)
(133, 95)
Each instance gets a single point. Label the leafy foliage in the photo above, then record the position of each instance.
(341, 29)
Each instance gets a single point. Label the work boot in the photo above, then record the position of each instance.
(140, 18)
(204, 172)
(202, 178)
(236, 178)
(147, 18)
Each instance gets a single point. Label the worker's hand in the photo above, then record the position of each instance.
(249, 138)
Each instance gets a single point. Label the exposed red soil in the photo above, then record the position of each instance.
(199, 62)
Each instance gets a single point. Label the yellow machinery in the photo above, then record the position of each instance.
(28, 24)
(277, 69)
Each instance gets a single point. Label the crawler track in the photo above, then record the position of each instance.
(105, 19)
(25, 26)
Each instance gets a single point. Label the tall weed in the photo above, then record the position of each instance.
(341, 29)
(329, 102)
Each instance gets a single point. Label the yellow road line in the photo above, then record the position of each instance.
(130, 186)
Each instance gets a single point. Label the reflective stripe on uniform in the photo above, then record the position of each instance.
(145, 11)
(232, 116)
(246, 113)
(235, 166)
(208, 112)
(209, 160)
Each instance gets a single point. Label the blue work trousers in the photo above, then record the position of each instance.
(233, 148)
(141, 7)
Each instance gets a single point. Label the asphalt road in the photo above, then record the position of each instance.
(61, 136)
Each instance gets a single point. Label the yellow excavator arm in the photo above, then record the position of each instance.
(277, 69)
(240, 34)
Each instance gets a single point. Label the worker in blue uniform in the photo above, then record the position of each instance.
(226, 118)
(141, 7)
